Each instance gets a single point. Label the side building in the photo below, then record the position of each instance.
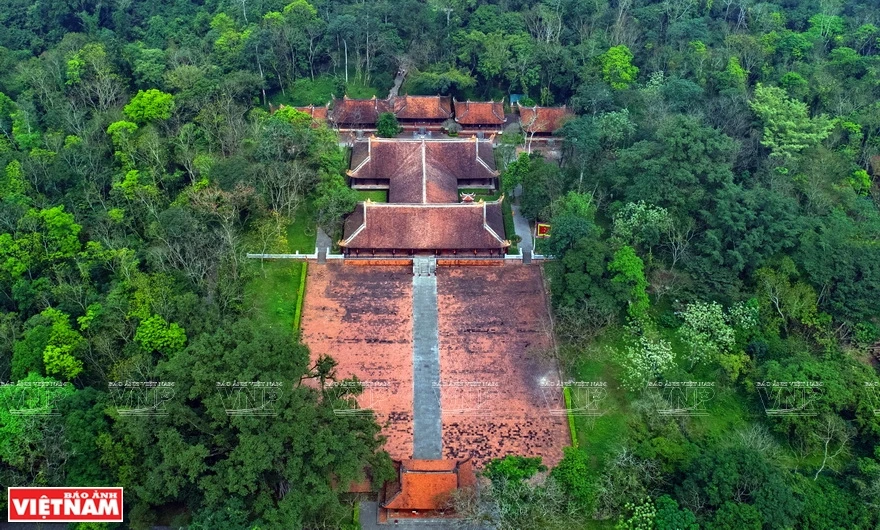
(424, 213)
(480, 116)
(541, 122)
(357, 114)
(415, 112)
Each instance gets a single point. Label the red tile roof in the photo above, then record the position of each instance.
(457, 226)
(422, 171)
(429, 465)
(421, 107)
(479, 112)
(358, 111)
(317, 113)
(542, 119)
(429, 484)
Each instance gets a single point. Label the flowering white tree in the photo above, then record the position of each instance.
(743, 316)
(645, 360)
(706, 332)
(641, 223)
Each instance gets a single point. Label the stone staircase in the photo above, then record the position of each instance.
(424, 266)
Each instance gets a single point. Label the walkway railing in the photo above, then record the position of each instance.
(315, 256)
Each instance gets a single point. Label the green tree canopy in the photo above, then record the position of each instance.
(387, 126)
(617, 68)
(150, 105)
(788, 127)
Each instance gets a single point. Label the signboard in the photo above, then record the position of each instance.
(64, 505)
(542, 230)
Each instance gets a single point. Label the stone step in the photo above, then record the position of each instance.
(424, 266)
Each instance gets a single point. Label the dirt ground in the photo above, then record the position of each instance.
(362, 317)
(493, 341)
(493, 360)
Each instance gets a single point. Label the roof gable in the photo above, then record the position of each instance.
(317, 113)
(358, 111)
(479, 112)
(542, 119)
(429, 484)
(422, 171)
(456, 226)
(421, 107)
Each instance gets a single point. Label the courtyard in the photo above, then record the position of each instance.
(492, 339)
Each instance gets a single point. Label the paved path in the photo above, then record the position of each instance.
(323, 243)
(427, 431)
(401, 75)
(523, 230)
(369, 521)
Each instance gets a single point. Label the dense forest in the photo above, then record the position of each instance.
(714, 219)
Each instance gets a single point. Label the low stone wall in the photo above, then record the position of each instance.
(381, 262)
(470, 262)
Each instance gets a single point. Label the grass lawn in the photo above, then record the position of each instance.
(541, 246)
(727, 410)
(600, 437)
(509, 229)
(273, 290)
(302, 233)
(306, 92)
(373, 195)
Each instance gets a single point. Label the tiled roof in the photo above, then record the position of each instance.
(457, 226)
(421, 107)
(429, 465)
(358, 111)
(422, 171)
(542, 119)
(317, 113)
(429, 484)
(479, 112)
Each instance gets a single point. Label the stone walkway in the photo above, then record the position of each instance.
(427, 433)
(323, 244)
(523, 230)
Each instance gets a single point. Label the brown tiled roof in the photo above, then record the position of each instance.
(422, 171)
(429, 465)
(421, 107)
(429, 484)
(317, 113)
(359, 152)
(542, 119)
(457, 226)
(479, 112)
(358, 111)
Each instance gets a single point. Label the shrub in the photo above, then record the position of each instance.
(387, 126)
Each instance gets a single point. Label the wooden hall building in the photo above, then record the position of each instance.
(542, 121)
(421, 111)
(347, 113)
(424, 489)
(424, 213)
(480, 115)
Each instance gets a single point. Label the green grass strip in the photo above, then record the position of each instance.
(297, 315)
(566, 394)
(509, 228)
